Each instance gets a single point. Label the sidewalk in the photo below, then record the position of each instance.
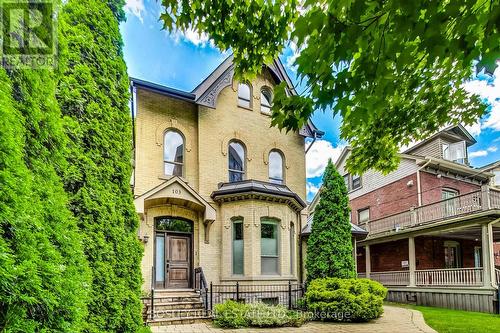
(395, 319)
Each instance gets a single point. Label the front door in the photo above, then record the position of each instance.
(173, 255)
(178, 261)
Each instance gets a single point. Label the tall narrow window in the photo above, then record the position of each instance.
(275, 167)
(238, 261)
(356, 182)
(292, 248)
(265, 101)
(173, 153)
(244, 95)
(236, 153)
(449, 204)
(363, 215)
(269, 254)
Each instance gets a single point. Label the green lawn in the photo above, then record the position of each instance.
(456, 321)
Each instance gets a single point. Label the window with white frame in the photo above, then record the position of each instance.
(265, 100)
(237, 251)
(236, 161)
(276, 167)
(352, 182)
(244, 95)
(173, 153)
(456, 152)
(363, 215)
(269, 251)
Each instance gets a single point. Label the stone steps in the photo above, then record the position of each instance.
(175, 307)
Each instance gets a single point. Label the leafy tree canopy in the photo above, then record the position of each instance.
(392, 69)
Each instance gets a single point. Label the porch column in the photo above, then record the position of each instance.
(411, 260)
(486, 240)
(367, 261)
(355, 255)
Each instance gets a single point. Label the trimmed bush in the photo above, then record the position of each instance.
(233, 314)
(230, 314)
(345, 300)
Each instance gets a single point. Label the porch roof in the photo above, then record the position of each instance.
(356, 231)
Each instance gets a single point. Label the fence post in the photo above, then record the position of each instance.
(289, 295)
(206, 298)
(211, 296)
(152, 304)
(237, 291)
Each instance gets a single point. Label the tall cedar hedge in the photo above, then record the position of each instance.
(43, 272)
(329, 247)
(93, 95)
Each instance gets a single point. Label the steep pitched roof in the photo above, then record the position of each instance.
(208, 90)
(457, 130)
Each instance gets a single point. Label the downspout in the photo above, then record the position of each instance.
(419, 186)
(133, 98)
(301, 261)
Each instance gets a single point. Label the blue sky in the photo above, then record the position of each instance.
(182, 60)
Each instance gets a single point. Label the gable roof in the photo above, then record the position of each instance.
(208, 90)
(457, 130)
(490, 166)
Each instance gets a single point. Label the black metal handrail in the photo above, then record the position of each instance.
(201, 286)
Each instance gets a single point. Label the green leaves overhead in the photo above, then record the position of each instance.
(254, 29)
(392, 69)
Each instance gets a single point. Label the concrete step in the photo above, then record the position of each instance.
(177, 321)
(174, 299)
(178, 305)
(178, 313)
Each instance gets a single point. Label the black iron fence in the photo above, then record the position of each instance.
(284, 294)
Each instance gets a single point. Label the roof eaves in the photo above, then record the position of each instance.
(172, 92)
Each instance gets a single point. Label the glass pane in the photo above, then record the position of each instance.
(269, 239)
(269, 265)
(173, 147)
(346, 181)
(235, 176)
(237, 248)
(172, 169)
(160, 259)
(265, 101)
(171, 224)
(356, 181)
(275, 166)
(236, 156)
(244, 92)
(364, 216)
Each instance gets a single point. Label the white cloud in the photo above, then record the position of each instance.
(492, 149)
(135, 7)
(193, 37)
(312, 189)
(478, 153)
(317, 157)
(490, 92)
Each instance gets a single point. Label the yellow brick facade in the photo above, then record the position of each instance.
(207, 132)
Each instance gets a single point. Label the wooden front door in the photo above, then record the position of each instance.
(178, 265)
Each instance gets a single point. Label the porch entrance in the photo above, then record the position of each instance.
(173, 253)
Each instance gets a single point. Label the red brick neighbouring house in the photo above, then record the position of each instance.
(433, 224)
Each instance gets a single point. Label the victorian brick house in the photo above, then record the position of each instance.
(219, 192)
(432, 225)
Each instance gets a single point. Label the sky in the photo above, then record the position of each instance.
(183, 60)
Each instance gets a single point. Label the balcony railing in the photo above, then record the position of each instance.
(469, 203)
(449, 277)
(393, 278)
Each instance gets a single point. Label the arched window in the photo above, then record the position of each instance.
(292, 248)
(266, 98)
(173, 153)
(244, 95)
(276, 167)
(237, 249)
(236, 154)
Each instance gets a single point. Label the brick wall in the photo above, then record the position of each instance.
(432, 186)
(429, 254)
(390, 199)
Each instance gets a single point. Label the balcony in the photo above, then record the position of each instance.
(463, 205)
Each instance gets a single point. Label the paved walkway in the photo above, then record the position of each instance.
(395, 319)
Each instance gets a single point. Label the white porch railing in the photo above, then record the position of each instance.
(449, 277)
(361, 275)
(487, 198)
(392, 278)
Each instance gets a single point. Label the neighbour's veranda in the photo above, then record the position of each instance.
(433, 225)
